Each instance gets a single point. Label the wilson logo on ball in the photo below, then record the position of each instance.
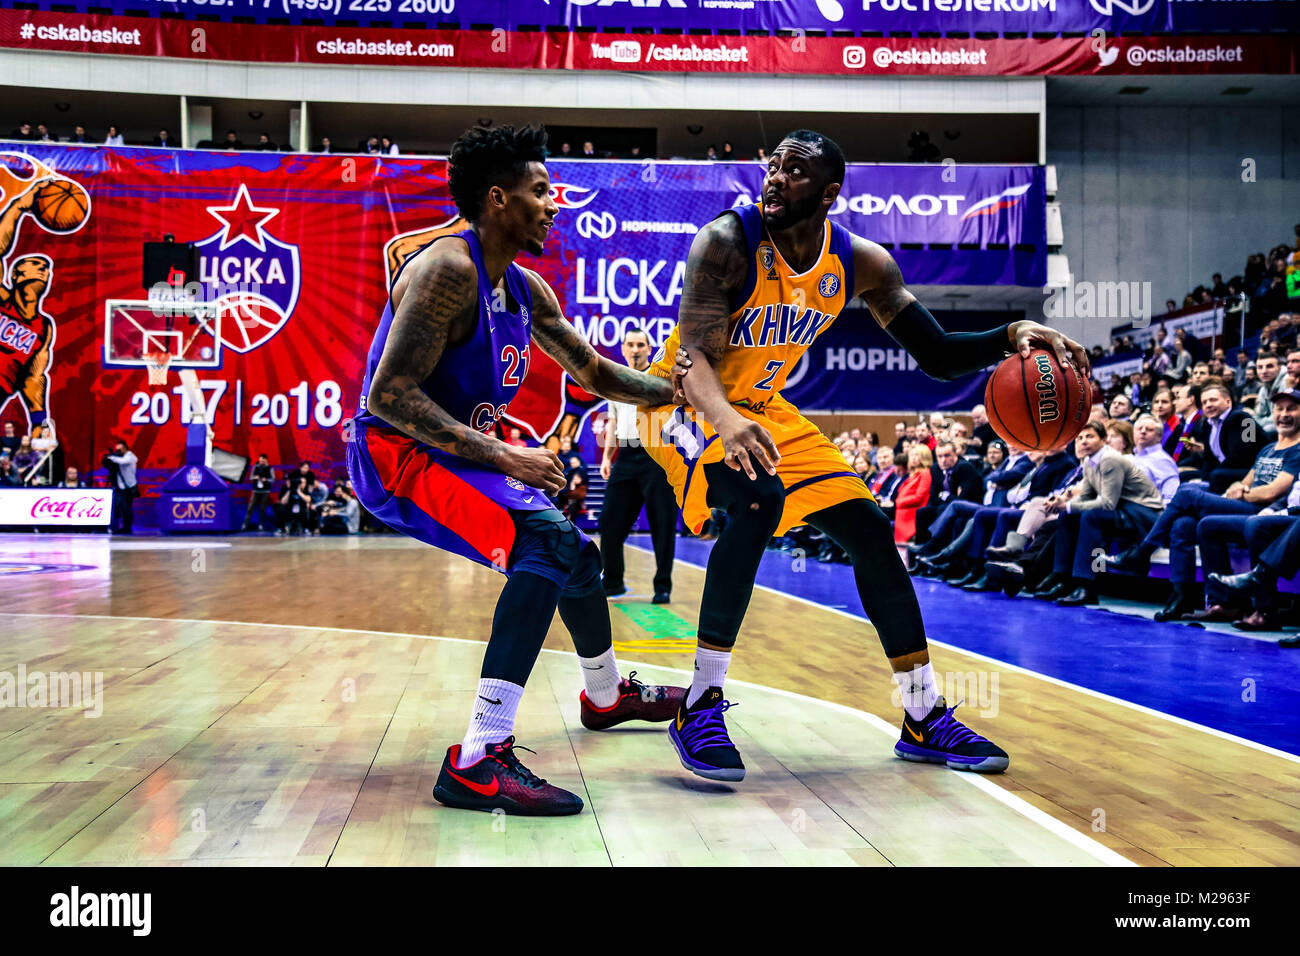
(1048, 410)
(1036, 404)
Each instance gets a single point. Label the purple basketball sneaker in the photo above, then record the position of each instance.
(700, 735)
(942, 738)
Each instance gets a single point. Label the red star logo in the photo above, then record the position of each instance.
(243, 220)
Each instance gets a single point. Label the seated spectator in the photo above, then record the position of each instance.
(265, 144)
(1225, 438)
(887, 477)
(1291, 379)
(1267, 369)
(1187, 407)
(1121, 407)
(25, 457)
(1274, 543)
(517, 439)
(9, 477)
(925, 436)
(902, 432)
(114, 137)
(1115, 496)
(232, 140)
(1182, 361)
(326, 146)
(341, 514)
(1162, 410)
(71, 479)
(951, 479)
(388, 147)
(912, 494)
(1150, 454)
(9, 441)
(163, 139)
(962, 561)
(983, 432)
(317, 495)
(1267, 482)
(1200, 372)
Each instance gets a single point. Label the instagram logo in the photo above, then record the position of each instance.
(855, 57)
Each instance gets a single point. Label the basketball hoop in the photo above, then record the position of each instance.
(156, 363)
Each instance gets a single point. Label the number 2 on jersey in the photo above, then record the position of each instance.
(773, 369)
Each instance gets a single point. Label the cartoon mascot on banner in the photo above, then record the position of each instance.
(60, 206)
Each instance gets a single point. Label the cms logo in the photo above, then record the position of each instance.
(194, 511)
(596, 225)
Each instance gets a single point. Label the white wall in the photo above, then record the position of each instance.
(1155, 194)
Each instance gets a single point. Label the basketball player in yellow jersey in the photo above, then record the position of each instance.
(762, 282)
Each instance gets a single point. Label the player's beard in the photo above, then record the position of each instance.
(793, 213)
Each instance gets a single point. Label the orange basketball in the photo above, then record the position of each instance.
(61, 205)
(1034, 403)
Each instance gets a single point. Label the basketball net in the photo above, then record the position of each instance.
(156, 363)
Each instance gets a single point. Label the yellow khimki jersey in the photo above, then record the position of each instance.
(776, 316)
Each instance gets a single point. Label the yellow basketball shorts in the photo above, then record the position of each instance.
(812, 469)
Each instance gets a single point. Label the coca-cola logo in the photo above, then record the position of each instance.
(86, 506)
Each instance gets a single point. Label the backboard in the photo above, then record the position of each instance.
(190, 332)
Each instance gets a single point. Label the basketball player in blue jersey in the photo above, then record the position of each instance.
(761, 283)
(450, 353)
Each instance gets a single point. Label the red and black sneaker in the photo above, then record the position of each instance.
(636, 701)
(498, 781)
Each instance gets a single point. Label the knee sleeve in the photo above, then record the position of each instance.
(547, 544)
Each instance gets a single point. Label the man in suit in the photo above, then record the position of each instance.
(884, 482)
(1226, 438)
(951, 479)
(1116, 495)
(954, 518)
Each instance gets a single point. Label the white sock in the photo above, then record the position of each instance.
(710, 671)
(493, 719)
(919, 690)
(600, 673)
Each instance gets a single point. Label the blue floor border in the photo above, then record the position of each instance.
(1232, 683)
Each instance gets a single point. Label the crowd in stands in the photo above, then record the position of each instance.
(1206, 459)
(32, 460)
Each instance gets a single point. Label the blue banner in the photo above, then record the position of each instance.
(905, 17)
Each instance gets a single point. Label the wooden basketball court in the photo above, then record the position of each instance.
(288, 701)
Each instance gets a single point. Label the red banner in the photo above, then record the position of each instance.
(70, 32)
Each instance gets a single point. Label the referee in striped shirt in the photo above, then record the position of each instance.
(633, 479)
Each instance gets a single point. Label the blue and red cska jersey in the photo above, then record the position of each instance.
(20, 340)
(473, 382)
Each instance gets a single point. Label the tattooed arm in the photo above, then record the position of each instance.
(441, 295)
(597, 374)
(945, 355)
